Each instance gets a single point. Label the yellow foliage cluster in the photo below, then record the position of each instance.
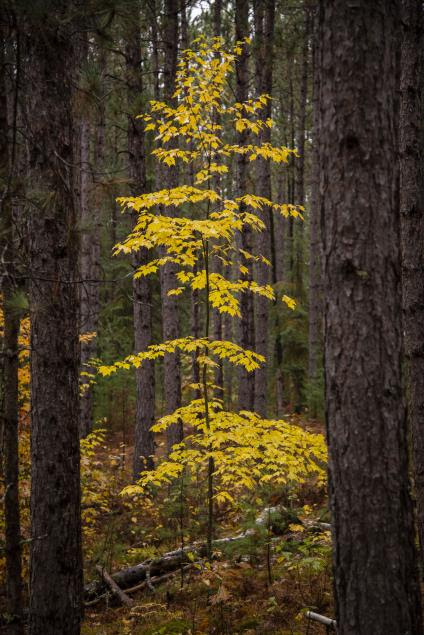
(247, 451)
(223, 349)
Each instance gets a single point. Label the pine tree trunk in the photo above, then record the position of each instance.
(91, 202)
(144, 446)
(300, 162)
(375, 573)
(246, 389)
(85, 262)
(9, 414)
(170, 322)
(56, 559)
(412, 224)
(315, 282)
(264, 51)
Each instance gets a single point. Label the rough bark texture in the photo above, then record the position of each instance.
(246, 389)
(56, 559)
(170, 322)
(264, 59)
(144, 446)
(85, 262)
(91, 202)
(412, 224)
(375, 576)
(315, 278)
(9, 369)
(300, 162)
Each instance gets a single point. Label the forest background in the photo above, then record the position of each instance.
(203, 466)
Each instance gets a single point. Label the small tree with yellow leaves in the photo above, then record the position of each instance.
(237, 451)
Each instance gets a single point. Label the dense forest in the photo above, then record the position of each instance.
(211, 317)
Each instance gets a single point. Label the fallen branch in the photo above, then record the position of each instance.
(144, 584)
(322, 619)
(116, 590)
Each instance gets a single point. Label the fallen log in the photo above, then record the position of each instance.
(140, 587)
(131, 576)
(116, 590)
(140, 573)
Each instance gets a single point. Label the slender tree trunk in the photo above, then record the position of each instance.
(264, 51)
(56, 559)
(217, 317)
(278, 229)
(144, 446)
(375, 573)
(9, 412)
(86, 322)
(412, 224)
(315, 281)
(170, 322)
(91, 202)
(246, 389)
(300, 162)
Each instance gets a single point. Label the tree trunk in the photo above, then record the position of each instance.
(144, 446)
(9, 413)
(264, 51)
(300, 162)
(86, 325)
(412, 224)
(246, 389)
(376, 586)
(56, 559)
(92, 197)
(217, 317)
(170, 322)
(315, 282)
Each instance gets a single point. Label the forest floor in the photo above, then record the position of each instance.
(262, 583)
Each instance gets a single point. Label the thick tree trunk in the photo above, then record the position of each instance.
(9, 413)
(170, 322)
(144, 446)
(315, 278)
(264, 52)
(376, 585)
(246, 389)
(56, 559)
(412, 224)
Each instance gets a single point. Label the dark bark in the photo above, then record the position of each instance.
(246, 388)
(376, 585)
(170, 322)
(91, 203)
(300, 161)
(9, 410)
(264, 58)
(144, 446)
(85, 262)
(56, 559)
(412, 225)
(315, 278)
(217, 18)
